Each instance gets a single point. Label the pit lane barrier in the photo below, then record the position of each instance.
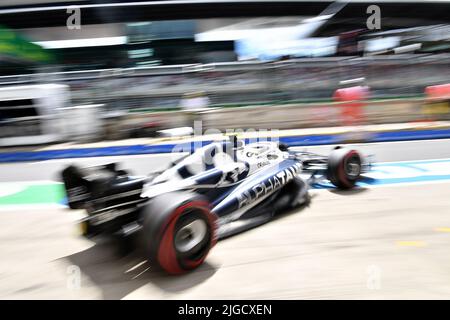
(294, 137)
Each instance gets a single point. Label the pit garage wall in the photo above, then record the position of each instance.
(292, 116)
(277, 92)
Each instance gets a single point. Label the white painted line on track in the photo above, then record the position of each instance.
(30, 182)
(377, 186)
(384, 174)
(14, 207)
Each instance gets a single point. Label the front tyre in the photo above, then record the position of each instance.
(179, 231)
(344, 168)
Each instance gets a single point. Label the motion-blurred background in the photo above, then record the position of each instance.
(98, 81)
(99, 69)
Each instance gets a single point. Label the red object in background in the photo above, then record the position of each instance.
(438, 92)
(353, 102)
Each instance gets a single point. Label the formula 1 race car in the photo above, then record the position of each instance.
(218, 190)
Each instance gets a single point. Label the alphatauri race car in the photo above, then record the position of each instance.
(216, 191)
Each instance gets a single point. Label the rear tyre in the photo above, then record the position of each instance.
(344, 168)
(178, 231)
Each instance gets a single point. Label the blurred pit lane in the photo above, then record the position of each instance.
(373, 243)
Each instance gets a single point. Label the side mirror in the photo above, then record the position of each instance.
(283, 147)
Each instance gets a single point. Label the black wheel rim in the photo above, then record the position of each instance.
(192, 235)
(353, 167)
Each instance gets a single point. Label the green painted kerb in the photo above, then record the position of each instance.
(36, 194)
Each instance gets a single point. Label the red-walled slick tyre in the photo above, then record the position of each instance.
(178, 230)
(344, 168)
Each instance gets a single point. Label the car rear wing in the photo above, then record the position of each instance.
(82, 184)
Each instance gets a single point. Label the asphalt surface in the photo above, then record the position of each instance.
(387, 242)
(384, 242)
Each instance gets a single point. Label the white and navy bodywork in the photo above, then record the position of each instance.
(218, 190)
